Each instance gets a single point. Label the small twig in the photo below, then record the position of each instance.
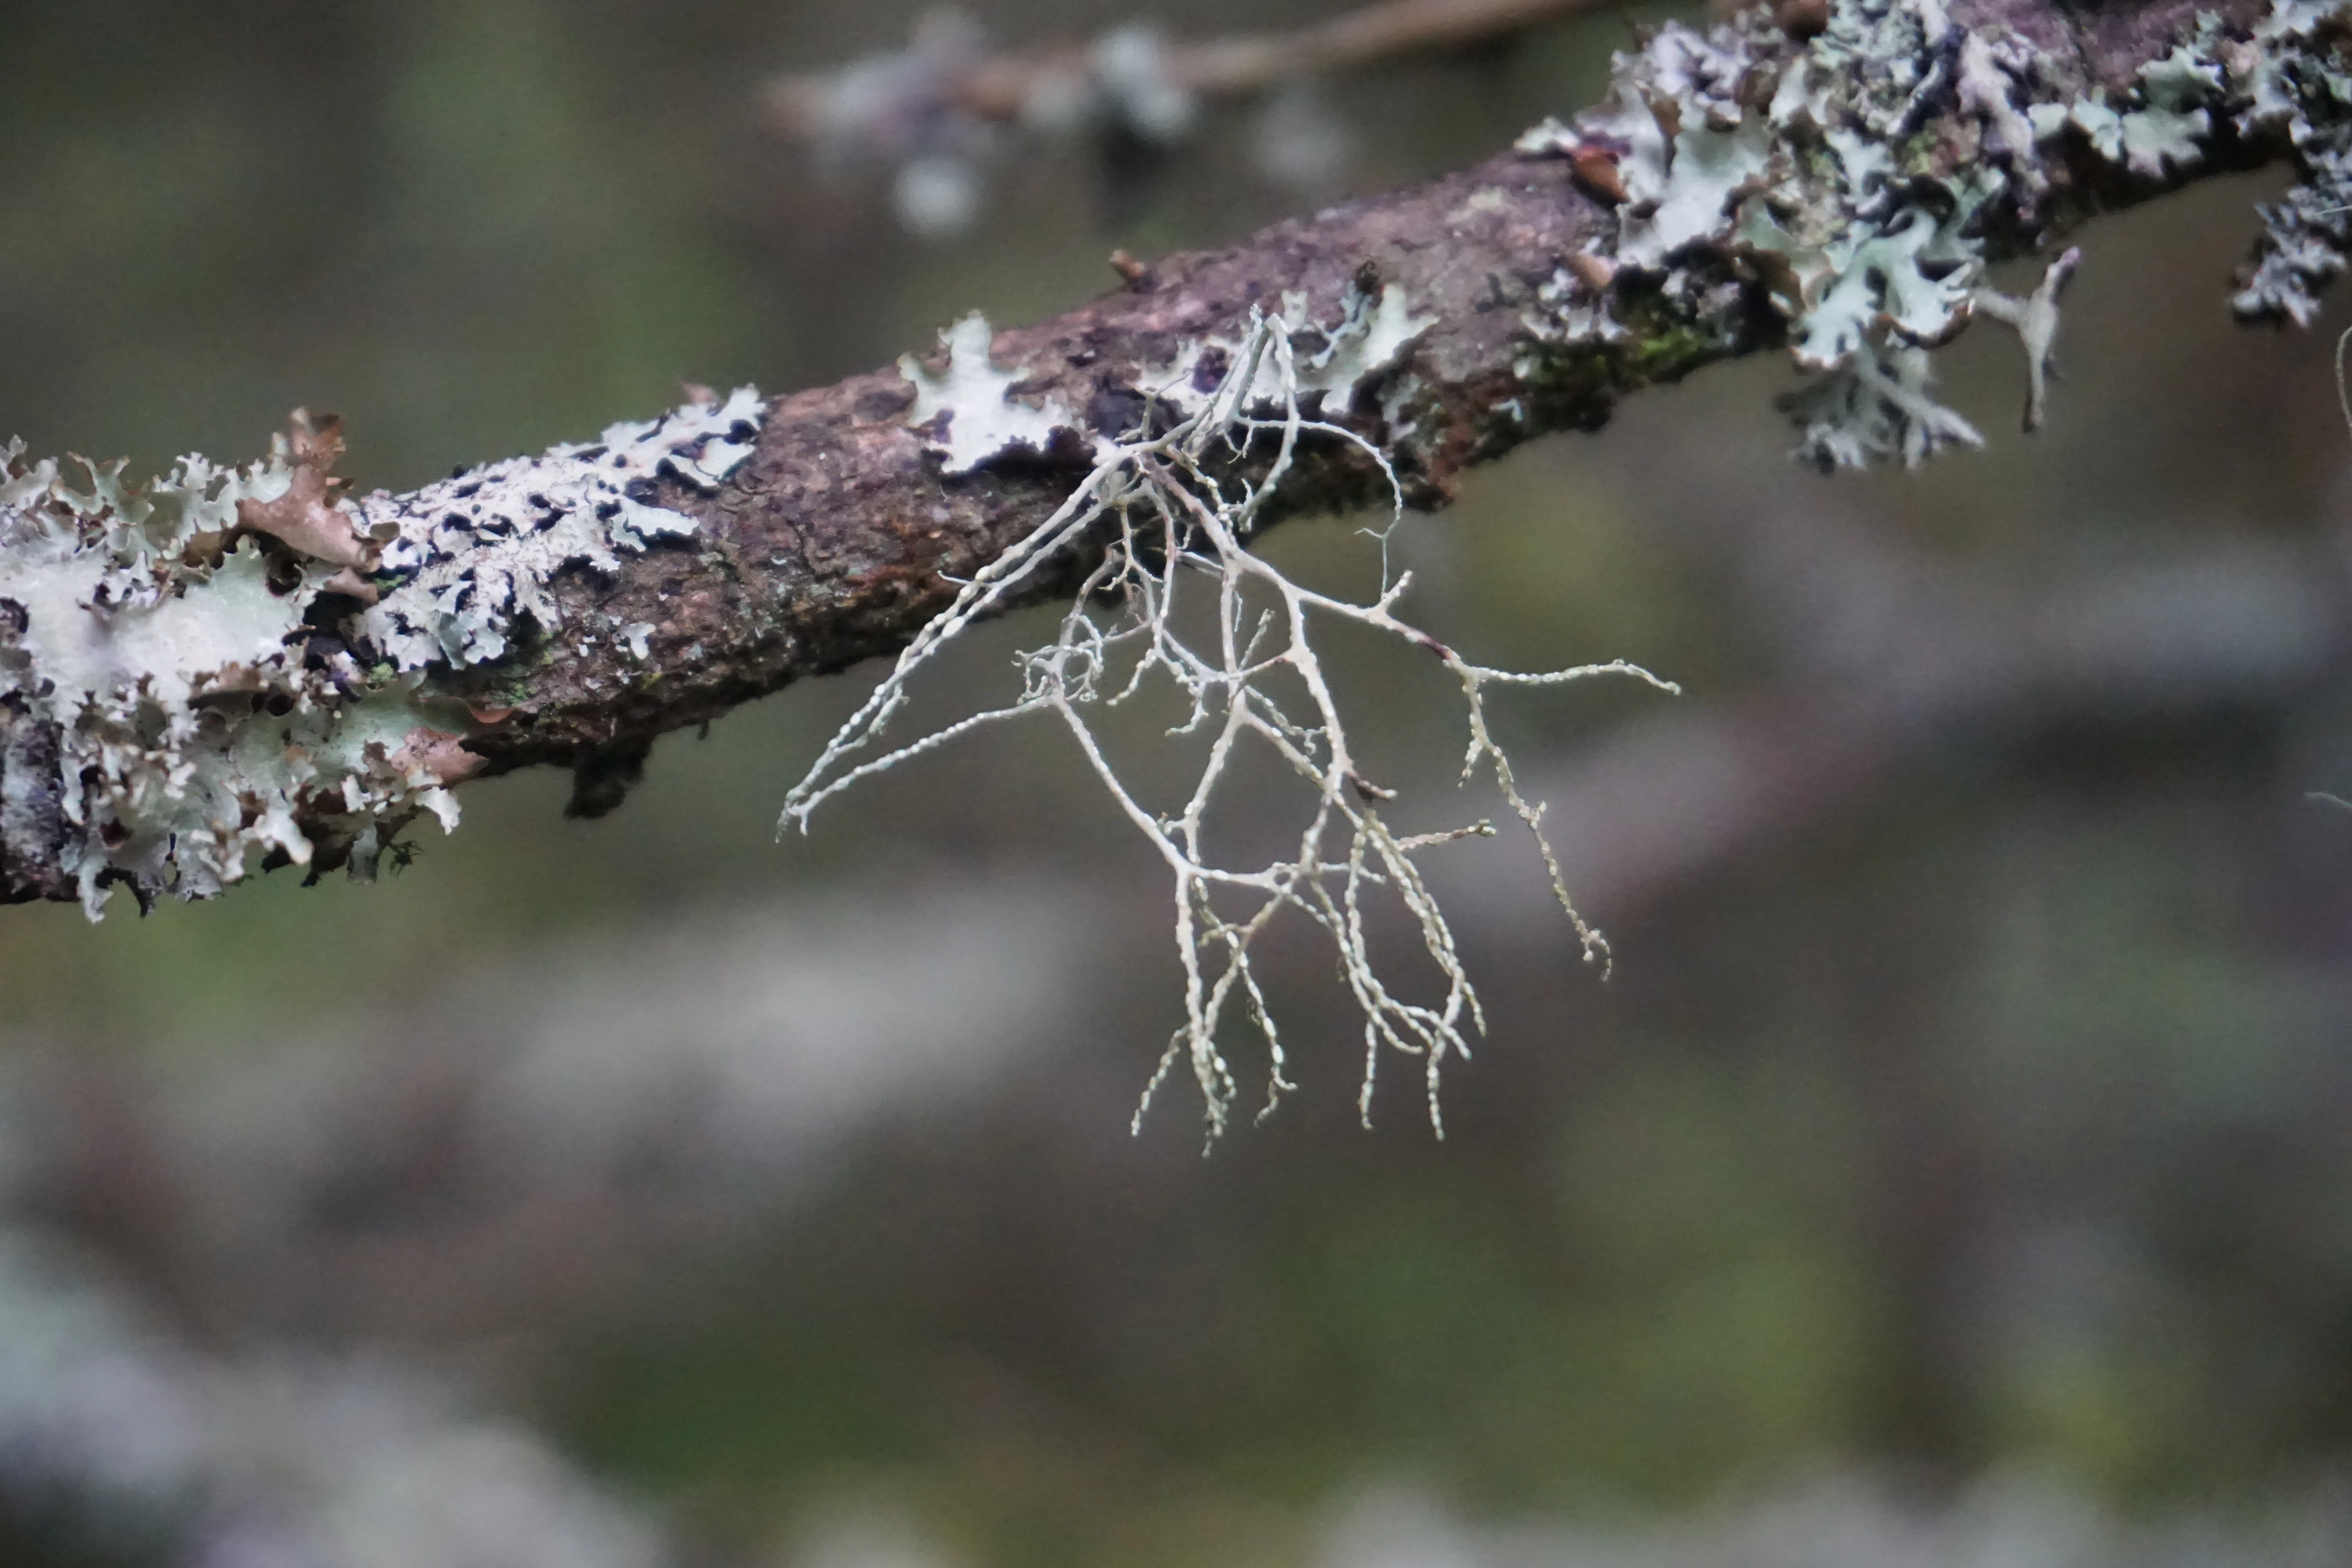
(2343, 394)
(938, 109)
(1359, 38)
(1007, 88)
(2035, 321)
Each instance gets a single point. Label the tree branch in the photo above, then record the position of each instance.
(946, 71)
(187, 682)
(940, 108)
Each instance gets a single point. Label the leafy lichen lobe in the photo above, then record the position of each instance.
(1861, 178)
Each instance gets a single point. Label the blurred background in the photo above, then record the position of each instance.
(1956, 1168)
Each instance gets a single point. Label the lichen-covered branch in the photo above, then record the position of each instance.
(233, 668)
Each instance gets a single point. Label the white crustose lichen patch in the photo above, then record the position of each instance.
(968, 410)
(970, 415)
(186, 682)
(480, 547)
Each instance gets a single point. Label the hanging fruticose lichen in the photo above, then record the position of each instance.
(1176, 496)
(1852, 178)
(227, 663)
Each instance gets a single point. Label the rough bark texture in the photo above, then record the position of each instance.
(833, 542)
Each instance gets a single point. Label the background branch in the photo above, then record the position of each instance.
(833, 530)
(1007, 87)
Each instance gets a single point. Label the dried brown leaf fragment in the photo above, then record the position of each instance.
(1595, 272)
(306, 518)
(1597, 173)
(438, 753)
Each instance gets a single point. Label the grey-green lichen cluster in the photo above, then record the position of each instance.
(1852, 179)
(233, 661)
(2299, 90)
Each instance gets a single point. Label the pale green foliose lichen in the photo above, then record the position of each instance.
(188, 724)
(1806, 170)
(173, 703)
